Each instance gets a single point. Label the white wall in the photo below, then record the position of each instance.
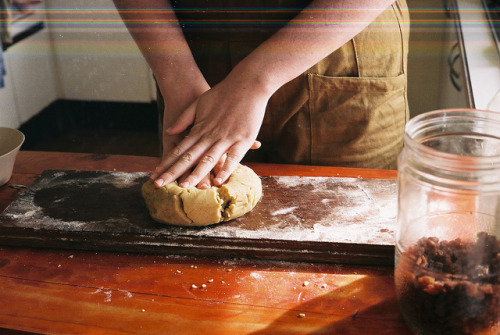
(8, 110)
(84, 53)
(430, 44)
(31, 83)
(95, 55)
(481, 52)
(33, 74)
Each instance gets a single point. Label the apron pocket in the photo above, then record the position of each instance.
(357, 121)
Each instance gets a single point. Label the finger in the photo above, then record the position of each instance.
(177, 164)
(179, 153)
(183, 121)
(256, 145)
(234, 156)
(183, 177)
(205, 183)
(179, 168)
(196, 155)
(219, 165)
(204, 166)
(163, 179)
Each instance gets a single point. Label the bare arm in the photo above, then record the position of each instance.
(316, 32)
(155, 29)
(157, 33)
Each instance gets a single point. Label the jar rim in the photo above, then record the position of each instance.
(438, 120)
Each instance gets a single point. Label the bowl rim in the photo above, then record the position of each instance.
(20, 141)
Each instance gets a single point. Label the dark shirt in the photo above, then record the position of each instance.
(221, 33)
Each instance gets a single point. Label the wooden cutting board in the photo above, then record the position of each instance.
(313, 219)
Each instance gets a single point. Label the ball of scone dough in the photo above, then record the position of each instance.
(174, 205)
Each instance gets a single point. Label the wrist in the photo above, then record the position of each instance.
(253, 79)
(178, 95)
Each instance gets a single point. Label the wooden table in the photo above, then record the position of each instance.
(77, 292)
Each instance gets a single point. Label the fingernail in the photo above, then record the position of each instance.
(184, 184)
(218, 181)
(159, 183)
(204, 186)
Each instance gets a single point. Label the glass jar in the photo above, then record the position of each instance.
(447, 255)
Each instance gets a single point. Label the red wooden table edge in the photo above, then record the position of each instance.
(36, 161)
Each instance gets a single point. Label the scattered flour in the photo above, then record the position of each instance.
(284, 211)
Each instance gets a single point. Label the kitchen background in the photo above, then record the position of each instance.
(75, 81)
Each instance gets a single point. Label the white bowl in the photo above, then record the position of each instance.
(10, 142)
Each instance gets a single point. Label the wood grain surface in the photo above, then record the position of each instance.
(61, 292)
(49, 291)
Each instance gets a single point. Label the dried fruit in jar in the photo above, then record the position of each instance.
(451, 287)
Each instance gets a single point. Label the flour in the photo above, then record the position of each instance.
(284, 211)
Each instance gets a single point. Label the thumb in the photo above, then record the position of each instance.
(256, 145)
(183, 121)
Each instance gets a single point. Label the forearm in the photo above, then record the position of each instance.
(313, 34)
(156, 31)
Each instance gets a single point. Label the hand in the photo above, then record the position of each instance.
(207, 181)
(170, 142)
(225, 120)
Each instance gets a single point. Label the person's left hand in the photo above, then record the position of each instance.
(225, 122)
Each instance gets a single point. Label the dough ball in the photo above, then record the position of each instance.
(174, 205)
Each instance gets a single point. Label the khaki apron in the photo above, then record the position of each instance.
(348, 110)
